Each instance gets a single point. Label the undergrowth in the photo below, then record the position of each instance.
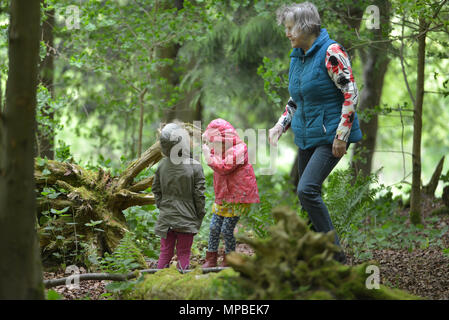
(366, 216)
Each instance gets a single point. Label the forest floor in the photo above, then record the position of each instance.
(422, 272)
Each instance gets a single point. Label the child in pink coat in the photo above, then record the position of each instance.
(235, 185)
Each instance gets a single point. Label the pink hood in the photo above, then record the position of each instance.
(234, 178)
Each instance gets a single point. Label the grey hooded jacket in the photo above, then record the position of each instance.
(179, 193)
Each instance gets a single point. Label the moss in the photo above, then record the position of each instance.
(170, 284)
(440, 211)
(296, 263)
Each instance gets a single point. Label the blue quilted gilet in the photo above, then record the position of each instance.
(318, 100)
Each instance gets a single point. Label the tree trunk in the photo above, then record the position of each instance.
(375, 62)
(445, 196)
(20, 265)
(189, 107)
(170, 51)
(141, 105)
(430, 188)
(46, 136)
(415, 200)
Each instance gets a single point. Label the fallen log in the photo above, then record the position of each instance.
(80, 211)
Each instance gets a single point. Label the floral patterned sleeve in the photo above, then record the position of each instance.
(339, 69)
(286, 118)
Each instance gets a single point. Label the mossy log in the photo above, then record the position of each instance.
(91, 196)
(50, 283)
(293, 263)
(297, 263)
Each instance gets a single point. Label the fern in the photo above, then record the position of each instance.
(125, 257)
(349, 201)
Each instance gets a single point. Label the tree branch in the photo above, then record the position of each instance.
(142, 185)
(403, 67)
(148, 159)
(125, 199)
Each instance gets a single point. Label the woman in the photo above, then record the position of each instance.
(321, 108)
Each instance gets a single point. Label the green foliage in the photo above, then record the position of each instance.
(141, 222)
(445, 177)
(53, 295)
(274, 190)
(62, 152)
(348, 201)
(111, 55)
(296, 263)
(274, 74)
(293, 263)
(202, 237)
(126, 257)
(366, 217)
(119, 289)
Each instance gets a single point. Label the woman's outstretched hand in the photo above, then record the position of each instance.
(339, 148)
(274, 134)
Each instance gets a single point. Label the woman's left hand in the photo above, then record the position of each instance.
(339, 148)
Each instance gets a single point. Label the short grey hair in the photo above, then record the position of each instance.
(304, 15)
(171, 135)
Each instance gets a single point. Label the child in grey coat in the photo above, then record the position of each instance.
(178, 188)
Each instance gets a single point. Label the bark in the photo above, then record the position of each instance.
(415, 197)
(430, 188)
(445, 196)
(141, 104)
(20, 265)
(351, 16)
(375, 62)
(168, 72)
(45, 137)
(188, 107)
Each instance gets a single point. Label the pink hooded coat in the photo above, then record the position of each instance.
(234, 178)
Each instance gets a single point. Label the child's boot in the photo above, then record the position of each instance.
(211, 260)
(183, 247)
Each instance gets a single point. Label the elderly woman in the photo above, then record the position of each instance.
(321, 108)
